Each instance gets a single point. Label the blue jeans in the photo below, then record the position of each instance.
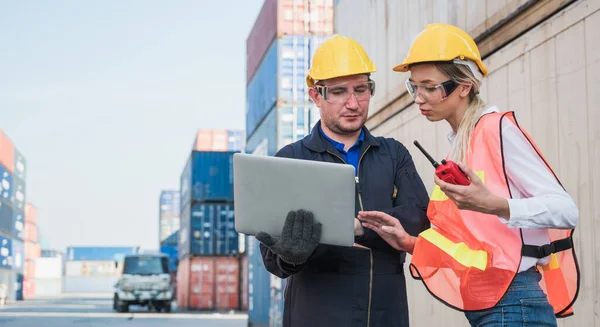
(524, 304)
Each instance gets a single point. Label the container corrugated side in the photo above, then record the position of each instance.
(227, 285)
(218, 140)
(169, 204)
(261, 93)
(32, 250)
(264, 140)
(19, 194)
(294, 123)
(226, 237)
(244, 273)
(202, 283)
(167, 227)
(209, 230)
(20, 165)
(47, 267)
(83, 253)
(185, 184)
(6, 217)
(183, 248)
(236, 141)
(311, 17)
(260, 38)
(277, 301)
(31, 233)
(183, 284)
(6, 183)
(208, 176)
(18, 224)
(6, 259)
(295, 57)
(7, 152)
(28, 288)
(18, 254)
(259, 286)
(30, 214)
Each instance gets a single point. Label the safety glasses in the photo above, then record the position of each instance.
(341, 93)
(431, 94)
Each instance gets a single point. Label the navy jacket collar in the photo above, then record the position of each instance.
(316, 142)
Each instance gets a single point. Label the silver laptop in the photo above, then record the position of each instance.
(267, 188)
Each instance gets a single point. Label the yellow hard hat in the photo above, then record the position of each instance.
(338, 56)
(442, 42)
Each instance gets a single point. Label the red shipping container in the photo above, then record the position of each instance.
(183, 282)
(30, 214)
(29, 268)
(7, 153)
(228, 283)
(28, 288)
(260, 38)
(212, 140)
(244, 283)
(202, 283)
(31, 233)
(32, 250)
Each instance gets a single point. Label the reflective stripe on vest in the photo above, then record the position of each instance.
(468, 259)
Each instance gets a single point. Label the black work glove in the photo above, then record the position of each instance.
(299, 237)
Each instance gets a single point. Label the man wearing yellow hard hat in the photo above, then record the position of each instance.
(362, 285)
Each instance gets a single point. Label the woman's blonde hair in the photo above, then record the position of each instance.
(460, 73)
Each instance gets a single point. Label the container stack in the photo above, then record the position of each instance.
(32, 251)
(169, 221)
(94, 269)
(13, 168)
(281, 43)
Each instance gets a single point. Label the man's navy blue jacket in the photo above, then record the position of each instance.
(353, 286)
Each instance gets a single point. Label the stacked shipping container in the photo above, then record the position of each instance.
(32, 251)
(13, 228)
(168, 215)
(219, 140)
(282, 43)
(208, 271)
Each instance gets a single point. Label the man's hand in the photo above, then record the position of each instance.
(299, 237)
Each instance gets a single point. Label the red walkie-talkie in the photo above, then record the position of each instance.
(448, 171)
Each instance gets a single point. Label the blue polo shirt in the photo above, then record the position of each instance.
(352, 156)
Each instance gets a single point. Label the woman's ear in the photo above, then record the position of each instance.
(465, 89)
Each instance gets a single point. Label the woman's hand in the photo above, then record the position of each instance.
(474, 197)
(389, 228)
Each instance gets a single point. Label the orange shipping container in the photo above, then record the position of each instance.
(208, 283)
(7, 153)
(30, 214)
(31, 234)
(32, 250)
(212, 140)
(29, 270)
(220, 140)
(28, 288)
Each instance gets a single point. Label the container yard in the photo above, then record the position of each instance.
(167, 140)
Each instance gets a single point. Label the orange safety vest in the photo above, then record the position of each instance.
(469, 259)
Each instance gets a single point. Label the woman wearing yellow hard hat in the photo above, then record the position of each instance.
(501, 248)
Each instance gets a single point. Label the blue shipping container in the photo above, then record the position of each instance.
(208, 229)
(261, 94)
(276, 301)
(82, 253)
(6, 259)
(171, 252)
(288, 58)
(236, 141)
(208, 176)
(18, 254)
(169, 204)
(259, 286)
(264, 140)
(172, 239)
(19, 224)
(18, 196)
(20, 166)
(6, 184)
(6, 217)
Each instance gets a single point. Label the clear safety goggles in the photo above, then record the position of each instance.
(431, 94)
(341, 93)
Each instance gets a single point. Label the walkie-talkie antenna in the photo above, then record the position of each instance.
(433, 162)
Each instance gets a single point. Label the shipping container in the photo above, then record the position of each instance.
(31, 233)
(47, 287)
(288, 58)
(259, 286)
(47, 253)
(20, 166)
(29, 268)
(278, 18)
(47, 268)
(168, 227)
(172, 239)
(170, 205)
(6, 217)
(30, 214)
(7, 152)
(18, 224)
(208, 229)
(219, 140)
(208, 283)
(208, 176)
(244, 283)
(28, 288)
(171, 252)
(276, 301)
(6, 183)
(18, 196)
(99, 253)
(18, 254)
(32, 250)
(92, 268)
(6, 259)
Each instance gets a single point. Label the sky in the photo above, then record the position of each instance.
(104, 99)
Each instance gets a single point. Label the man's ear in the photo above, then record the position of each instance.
(314, 95)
